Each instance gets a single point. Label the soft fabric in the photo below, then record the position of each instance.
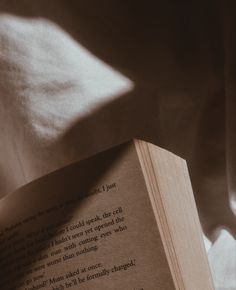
(77, 77)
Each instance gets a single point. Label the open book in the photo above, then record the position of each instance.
(123, 219)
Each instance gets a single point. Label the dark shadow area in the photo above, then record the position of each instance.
(154, 41)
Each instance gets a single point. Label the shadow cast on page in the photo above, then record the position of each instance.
(52, 201)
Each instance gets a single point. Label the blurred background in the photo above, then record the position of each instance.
(77, 77)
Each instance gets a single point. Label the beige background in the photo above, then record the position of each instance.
(77, 77)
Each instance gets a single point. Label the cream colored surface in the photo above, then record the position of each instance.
(171, 194)
(138, 240)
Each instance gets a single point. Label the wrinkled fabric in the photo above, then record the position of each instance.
(77, 77)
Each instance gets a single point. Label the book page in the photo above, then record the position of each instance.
(87, 226)
(171, 194)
